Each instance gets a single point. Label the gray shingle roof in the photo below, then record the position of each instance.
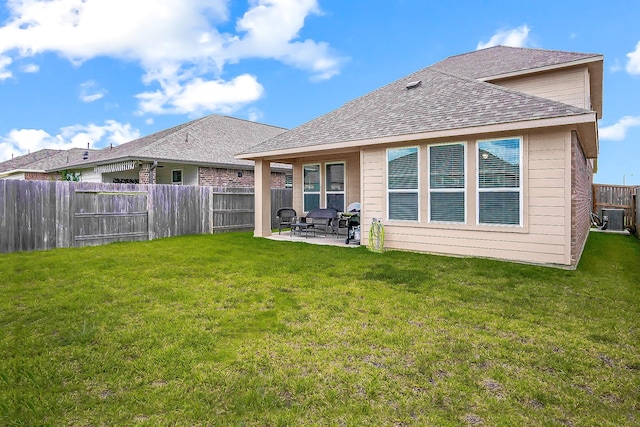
(43, 160)
(210, 140)
(441, 101)
(21, 162)
(499, 60)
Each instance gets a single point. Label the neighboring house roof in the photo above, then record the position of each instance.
(42, 161)
(209, 141)
(26, 159)
(441, 102)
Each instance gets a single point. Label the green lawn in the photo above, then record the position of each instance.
(234, 331)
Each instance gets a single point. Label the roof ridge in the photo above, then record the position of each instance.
(184, 126)
(246, 120)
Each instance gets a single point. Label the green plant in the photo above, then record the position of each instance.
(70, 175)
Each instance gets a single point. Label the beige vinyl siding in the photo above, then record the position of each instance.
(568, 86)
(88, 175)
(542, 238)
(15, 176)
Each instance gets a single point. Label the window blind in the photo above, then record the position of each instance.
(499, 182)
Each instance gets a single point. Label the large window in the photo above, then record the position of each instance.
(500, 181)
(447, 183)
(334, 178)
(311, 187)
(402, 184)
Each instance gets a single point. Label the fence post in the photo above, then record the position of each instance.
(150, 211)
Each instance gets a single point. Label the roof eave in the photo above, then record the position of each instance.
(518, 73)
(581, 120)
(15, 171)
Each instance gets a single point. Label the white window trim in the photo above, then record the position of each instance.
(501, 189)
(327, 192)
(181, 177)
(416, 191)
(319, 192)
(447, 190)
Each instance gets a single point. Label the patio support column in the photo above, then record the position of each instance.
(262, 198)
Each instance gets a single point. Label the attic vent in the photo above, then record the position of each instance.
(411, 85)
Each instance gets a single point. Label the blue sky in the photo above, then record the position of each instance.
(102, 72)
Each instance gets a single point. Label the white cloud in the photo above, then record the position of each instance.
(254, 115)
(5, 61)
(90, 92)
(31, 68)
(618, 131)
(516, 37)
(176, 42)
(633, 66)
(269, 29)
(200, 95)
(23, 141)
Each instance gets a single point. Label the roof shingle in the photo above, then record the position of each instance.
(210, 140)
(441, 102)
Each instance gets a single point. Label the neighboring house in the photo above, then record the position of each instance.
(35, 166)
(489, 153)
(200, 152)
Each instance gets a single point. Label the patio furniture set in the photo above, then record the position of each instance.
(326, 220)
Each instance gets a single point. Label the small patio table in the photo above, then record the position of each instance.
(300, 226)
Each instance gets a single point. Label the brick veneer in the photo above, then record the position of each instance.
(146, 175)
(218, 177)
(40, 176)
(581, 198)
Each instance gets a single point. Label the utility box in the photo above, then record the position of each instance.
(615, 218)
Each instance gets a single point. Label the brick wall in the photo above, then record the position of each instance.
(145, 174)
(218, 177)
(39, 176)
(581, 198)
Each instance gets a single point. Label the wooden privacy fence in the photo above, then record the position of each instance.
(617, 197)
(53, 214)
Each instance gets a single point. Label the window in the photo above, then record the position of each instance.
(402, 183)
(176, 176)
(447, 183)
(334, 179)
(311, 187)
(499, 181)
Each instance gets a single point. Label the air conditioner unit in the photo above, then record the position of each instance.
(615, 218)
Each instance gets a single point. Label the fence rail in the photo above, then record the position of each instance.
(38, 215)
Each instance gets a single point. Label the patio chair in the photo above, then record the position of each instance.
(285, 217)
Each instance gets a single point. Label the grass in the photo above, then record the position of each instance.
(234, 331)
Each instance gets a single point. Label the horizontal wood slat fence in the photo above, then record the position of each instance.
(38, 215)
(617, 197)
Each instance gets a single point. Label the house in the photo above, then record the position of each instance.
(35, 166)
(200, 152)
(489, 153)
